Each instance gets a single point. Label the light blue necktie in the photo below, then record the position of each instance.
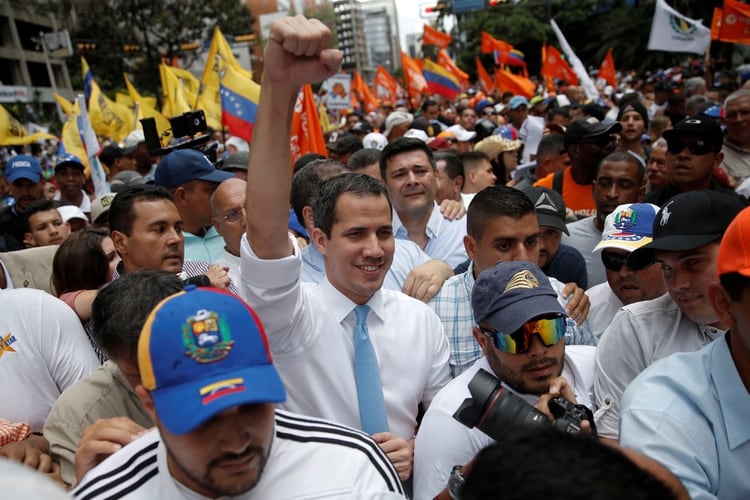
(367, 376)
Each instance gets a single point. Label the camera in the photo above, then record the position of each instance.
(493, 410)
(189, 130)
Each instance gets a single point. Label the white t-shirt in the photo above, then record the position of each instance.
(604, 304)
(44, 350)
(309, 459)
(85, 205)
(233, 262)
(310, 329)
(443, 442)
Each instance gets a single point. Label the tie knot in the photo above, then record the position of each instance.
(362, 312)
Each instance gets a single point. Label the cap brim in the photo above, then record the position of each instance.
(628, 242)
(645, 255)
(24, 174)
(551, 220)
(603, 128)
(127, 150)
(216, 176)
(513, 316)
(182, 408)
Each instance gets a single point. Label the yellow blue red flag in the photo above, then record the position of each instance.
(239, 102)
(440, 81)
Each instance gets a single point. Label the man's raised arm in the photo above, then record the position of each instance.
(298, 52)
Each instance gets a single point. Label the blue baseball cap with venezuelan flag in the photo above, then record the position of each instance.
(203, 351)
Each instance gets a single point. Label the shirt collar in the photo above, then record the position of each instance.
(731, 393)
(341, 306)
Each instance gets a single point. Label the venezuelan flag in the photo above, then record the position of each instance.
(440, 81)
(239, 102)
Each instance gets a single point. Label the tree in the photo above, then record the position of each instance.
(152, 30)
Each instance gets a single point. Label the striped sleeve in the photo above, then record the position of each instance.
(306, 429)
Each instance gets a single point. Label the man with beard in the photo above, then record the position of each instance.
(626, 229)
(531, 360)
(25, 185)
(619, 179)
(209, 385)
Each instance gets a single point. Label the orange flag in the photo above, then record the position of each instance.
(607, 69)
(432, 36)
(370, 102)
(519, 85)
(555, 66)
(716, 23)
(415, 82)
(445, 60)
(484, 77)
(734, 26)
(386, 87)
(307, 134)
(490, 44)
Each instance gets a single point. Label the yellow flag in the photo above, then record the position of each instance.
(147, 109)
(107, 117)
(12, 133)
(71, 137)
(65, 104)
(178, 100)
(124, 100)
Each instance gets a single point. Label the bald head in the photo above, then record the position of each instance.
(228, 213)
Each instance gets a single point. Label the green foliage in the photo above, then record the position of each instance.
(159, 27)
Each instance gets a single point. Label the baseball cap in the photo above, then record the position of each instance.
(23, 167)
(549, 206)
(68, 212)
(394, 119)
(628, 227)
(416, 134)
(703, 126)
(587, 128)
(346, 143)
(734, 251)
(112, 152)
(374, 140)
(361, 127)
(236, 161)
(634, 106)
(511, 293)
(461, 133)
(688, 221)
(133, 139)
(100, 205)
(68, 160)
(517, 101)
(185, 165)
(202, 351)
(125, 178)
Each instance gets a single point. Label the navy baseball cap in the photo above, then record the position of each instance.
(68, 160)
(509, 294)
(202, 351)
(23, 167)
(186, 165)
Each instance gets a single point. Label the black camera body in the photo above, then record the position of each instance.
(493, 410)
(189, 130)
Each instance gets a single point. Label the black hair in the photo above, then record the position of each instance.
(363, 158)
(324, 205)
(122, 209)
(625, 157)
(453, 166)
(306, 183)
(305, 159)
(735, 285)
(550, 145)
(473, 159)
(42, 205)
(495, 201)
(122, 307)
(403, 145)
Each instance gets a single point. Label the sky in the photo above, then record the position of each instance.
(408, 17)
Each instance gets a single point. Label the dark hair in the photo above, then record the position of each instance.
(527, 464)
(473, 159)
(305, 159)
(324, 206)
(122, 209)
(306, 183)
(363, 158)
(121, 308)
(453, 166)
(80, 262)
(403, 145)
(461, 110)
(42, 205)
(625, 157)
(428, 103)
(550, 145)
(735, 285)
(495, 201)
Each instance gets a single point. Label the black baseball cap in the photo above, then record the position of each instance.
(703, 126)
(549, 206)
(587, 128)
(688, 221)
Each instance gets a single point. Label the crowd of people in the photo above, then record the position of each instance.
(496, 296)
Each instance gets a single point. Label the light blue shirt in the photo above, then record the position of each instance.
(445, 237)
(453, 305)
(691, 412)
(210, 248)
(406, 256)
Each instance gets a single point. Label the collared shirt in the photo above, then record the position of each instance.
(310, 331)
(208, 248)
(443, 441)
(604, 306)
(406, 256)
(308, 458)
(190, 269)
(736, 160)
(445, 237)
(85, 205)
(233, 263)
(640, 333)
(453, 305)
(690, 412)
(584, 236)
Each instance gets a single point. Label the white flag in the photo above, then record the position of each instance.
(673, 32)
(583, 77)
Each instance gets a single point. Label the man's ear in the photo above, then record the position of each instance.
(28, 240)
(120, 241)
(319, 239)
(215, 224)
(482, 339)
(307, 215)
(470, 245)
(179, 196)
(721, 303)
(147, 401)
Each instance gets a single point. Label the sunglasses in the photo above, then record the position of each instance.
(550, 331)
(489, 113)
(676, 146)
(614, 261)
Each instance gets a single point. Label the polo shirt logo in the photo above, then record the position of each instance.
(665, 214)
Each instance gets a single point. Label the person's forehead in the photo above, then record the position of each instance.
(738, 102)
(24, 182)
(675, 256)
(618, 170)
(356, 206)
(46, 215)
(148, 210)
(504, 227)
(631, 114)
(415, 157)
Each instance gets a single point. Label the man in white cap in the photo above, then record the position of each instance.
(396, 125)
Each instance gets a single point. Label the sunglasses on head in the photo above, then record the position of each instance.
(489, 113)
(699, 147)
(614, 261)
(549, 330)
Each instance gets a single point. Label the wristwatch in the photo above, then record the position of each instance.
(455, 482)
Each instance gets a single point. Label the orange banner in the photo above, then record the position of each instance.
(716, 23)
(734, 25)
(386, 87)
(363, 92)
(607, 69)
(490, 44)
(432, 36)
(555, 66)
(415, 82)
(307, 133)
(445, 60)
(484, 77)
(519, 85)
